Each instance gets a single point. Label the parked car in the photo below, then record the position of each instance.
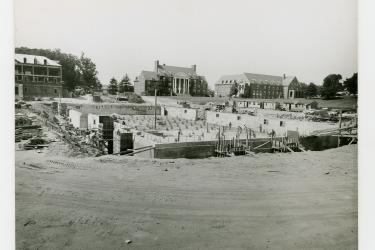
(122, 98)
(220, 107)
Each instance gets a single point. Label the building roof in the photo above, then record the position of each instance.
(175, 70)
(231, 79)
(288, 80)
(30, 59)
(149, 75)
(279, 100)
(260, 78)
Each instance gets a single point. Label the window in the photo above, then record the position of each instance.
(282, 123)
(217, 115)
(238, 118)
(94, 122)
(25, 90)
(55, 91)
(265, 122)
(16, 90)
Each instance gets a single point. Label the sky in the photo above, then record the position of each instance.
(306, 38)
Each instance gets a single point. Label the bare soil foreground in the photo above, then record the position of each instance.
(269, 201)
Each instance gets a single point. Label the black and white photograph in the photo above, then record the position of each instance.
(177, 124)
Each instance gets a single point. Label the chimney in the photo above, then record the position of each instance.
(156, 69)
(194, 67)
(284, 76)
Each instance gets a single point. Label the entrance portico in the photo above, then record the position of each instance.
(181, 85)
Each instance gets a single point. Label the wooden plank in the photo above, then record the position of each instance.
(353, 139)
(289, 148)
(301, 149)
(261, 145)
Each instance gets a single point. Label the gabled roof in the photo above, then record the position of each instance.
(30, 59)
(288, 80)
(277, 80)
(149, 75)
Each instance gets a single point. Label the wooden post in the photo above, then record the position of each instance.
(155, 107)
(250, 139)
(247, 138)
(339, 135)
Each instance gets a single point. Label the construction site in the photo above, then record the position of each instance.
(175, 129)
(209, 176)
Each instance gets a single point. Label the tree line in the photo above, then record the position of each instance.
(77, 71)
(332, 84)
(123, 86)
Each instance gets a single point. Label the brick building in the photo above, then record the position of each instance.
(259, 86)
(37, 76)
(171, 80)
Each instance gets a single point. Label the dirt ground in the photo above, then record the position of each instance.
(268, 201)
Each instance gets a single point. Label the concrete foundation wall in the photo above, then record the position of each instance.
(118, 131)
(78, 119)
(118, 108)
(184, 113)
(258, 123)
(139, 142)
(270, 105)
(93, 121)
(180, 151)
(253, 104)
(202, 149)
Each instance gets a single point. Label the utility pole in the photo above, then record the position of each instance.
(339, 135)
(155, 106)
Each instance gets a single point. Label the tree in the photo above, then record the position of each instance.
(234, 89)
(311, 90)
(331, 84)
(351, 84)
(88, 73)
(113, 86)
(125, 85)
(210, 92)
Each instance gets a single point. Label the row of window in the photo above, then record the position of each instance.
(37, 79)
(228, 81)
(265, 92)
(260, 86)
(35, 61)
(43, 90)
(253, 81)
